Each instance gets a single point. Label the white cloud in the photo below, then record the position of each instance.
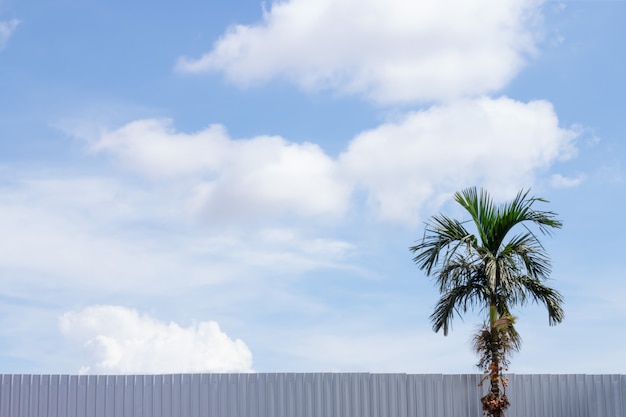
(275, 251)
(6, 30)
(389, 51)
(153, 148)
(119, 340)
(87, 233)
(264, 175)
(402, 165)
(560, 181)
(107, 236)
(500, 143)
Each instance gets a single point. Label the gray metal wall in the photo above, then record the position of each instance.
(304, 395)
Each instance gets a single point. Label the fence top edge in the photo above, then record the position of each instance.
(12, 375)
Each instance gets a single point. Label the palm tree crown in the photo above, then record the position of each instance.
(496, 268)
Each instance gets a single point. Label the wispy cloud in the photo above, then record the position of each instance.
(560, 181)
(6, 30)
(107, 236)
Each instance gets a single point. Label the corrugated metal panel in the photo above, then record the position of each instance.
(304, 395)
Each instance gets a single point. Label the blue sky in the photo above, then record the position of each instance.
(234, 186)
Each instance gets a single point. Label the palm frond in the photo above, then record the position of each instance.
(519, 211)
(458, 298)
(481, 208)
(528, 255)
(443, 237)
(545, 295)
(460, 270)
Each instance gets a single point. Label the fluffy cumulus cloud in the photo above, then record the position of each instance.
(386, 50)
(260, 176)
(118, 340)
(425, 156)
(401, 165)
(6, 30)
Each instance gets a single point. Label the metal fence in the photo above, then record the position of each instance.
(304, 395)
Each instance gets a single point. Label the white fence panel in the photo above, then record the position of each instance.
(304, 395)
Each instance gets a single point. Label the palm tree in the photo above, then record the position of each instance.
(502, 266)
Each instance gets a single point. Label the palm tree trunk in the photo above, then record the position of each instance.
(493, 402)
(494, 374)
